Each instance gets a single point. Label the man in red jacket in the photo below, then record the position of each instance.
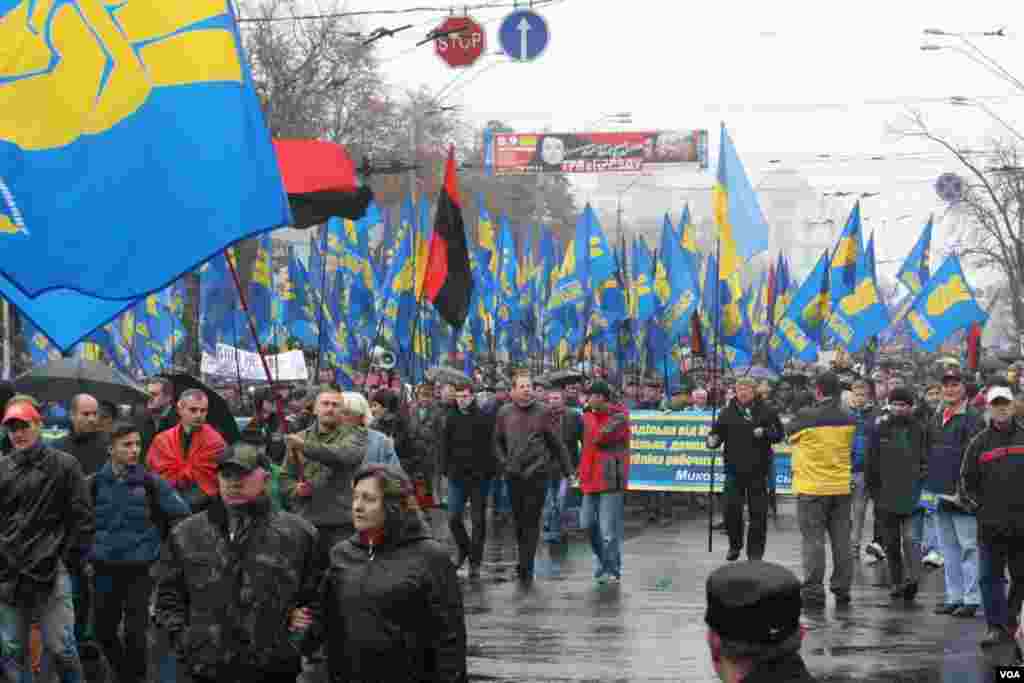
(604, 475)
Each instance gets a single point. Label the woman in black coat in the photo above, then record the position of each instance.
(391, 603)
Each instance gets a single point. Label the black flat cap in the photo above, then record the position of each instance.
(753, 602)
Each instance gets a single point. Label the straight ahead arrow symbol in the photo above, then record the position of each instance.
(524, 28)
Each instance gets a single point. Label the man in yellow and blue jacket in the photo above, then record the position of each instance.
(822, 437)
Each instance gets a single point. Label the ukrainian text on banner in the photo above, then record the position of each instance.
(667, 453)
(289, 366)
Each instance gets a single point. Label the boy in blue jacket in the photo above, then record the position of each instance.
(135, 509)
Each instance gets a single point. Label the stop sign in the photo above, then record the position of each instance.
(461, 43)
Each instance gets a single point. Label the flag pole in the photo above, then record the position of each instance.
(715, 378)
(255, 335)
(322, 303)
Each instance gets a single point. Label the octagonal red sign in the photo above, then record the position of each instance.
(461, 43)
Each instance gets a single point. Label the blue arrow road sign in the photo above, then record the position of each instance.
(523, 35)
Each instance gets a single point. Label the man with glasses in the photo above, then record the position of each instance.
(46, 531)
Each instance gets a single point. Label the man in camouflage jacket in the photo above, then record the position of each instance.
(234, 581)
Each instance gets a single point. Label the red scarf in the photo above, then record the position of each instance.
(168, 459)
(371, 537)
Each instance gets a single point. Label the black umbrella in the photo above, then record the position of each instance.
(63, 378)
(219, 417)
(445, 374)
(562, 378)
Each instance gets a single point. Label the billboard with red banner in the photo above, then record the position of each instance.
(628, 152)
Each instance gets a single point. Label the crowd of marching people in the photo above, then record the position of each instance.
(305, 548)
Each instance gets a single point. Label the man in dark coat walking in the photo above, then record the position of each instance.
(748, 427)
(895, 466)
(530, 454)
(467, 459)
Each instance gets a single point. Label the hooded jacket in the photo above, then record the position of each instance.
(992, 479)
(226, 602)
(604, 465)
(46, 517)
(393, 611)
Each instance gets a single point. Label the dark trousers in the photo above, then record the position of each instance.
(477, 491)
(753, 492)
(898, 540)
(123, 592)
(527, 506)
(997, 553)
(817, 516)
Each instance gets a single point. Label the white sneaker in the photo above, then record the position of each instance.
(933, 559)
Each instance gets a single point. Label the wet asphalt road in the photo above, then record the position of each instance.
(650, 627)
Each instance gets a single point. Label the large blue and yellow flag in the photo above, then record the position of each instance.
(688, 241)
(869, 257)
(845, 257)
(916, 269)
(944, 305)
(261, 291)
(674, 283)
(399, 306)
(507, 275)
(742, 228)
(588, 263)
(642, 301)
(860, 313)
(340, 347)
(299, 311)
(106, 126)
(798, 331)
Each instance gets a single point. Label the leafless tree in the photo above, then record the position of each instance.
(993, 206)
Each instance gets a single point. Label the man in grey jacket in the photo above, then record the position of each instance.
(319, 467)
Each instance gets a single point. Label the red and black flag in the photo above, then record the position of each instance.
(448, 280)
(973, 347)
(321, 182)
(697, 348)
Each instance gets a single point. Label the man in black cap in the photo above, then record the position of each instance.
(753, 619)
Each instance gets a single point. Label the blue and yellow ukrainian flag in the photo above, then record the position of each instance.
(860, 313)
(798, 331)
(916, 269)
(674, 283)
(944, 305)
(107, 105)
(742, 233)
(845, 257)
(642, 300)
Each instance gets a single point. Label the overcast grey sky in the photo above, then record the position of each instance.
(791, 80)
